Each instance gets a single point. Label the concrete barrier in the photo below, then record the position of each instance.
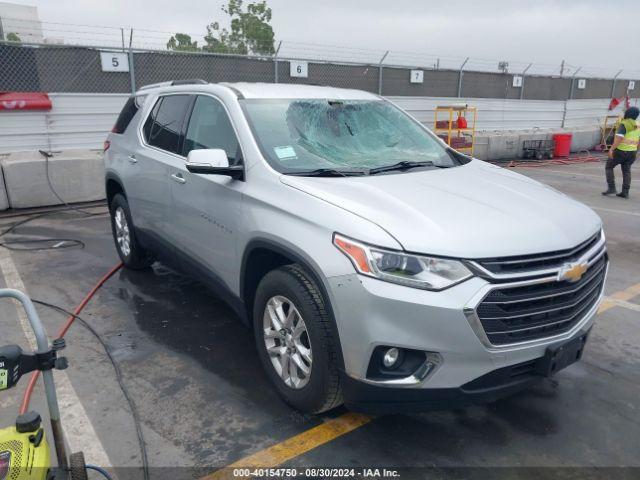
(4, 200)
(76, 176)
(481, 146)
(501, 145)
(585, 138)
(504, 145)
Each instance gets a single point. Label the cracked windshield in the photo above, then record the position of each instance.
(351, 136)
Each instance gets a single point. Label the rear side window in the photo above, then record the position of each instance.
(210, 127)
(124, 119)
(163, 127)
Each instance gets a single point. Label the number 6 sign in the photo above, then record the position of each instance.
(114, 61)
(298, 69)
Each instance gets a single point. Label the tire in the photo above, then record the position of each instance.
(320, 390)
(539, 155)
(77, 467)
(129, 250)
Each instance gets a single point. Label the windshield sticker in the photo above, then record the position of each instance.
(285, 153)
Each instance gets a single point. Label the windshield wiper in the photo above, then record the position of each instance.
(328, 172)
(404, 165)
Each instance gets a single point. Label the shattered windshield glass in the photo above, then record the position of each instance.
(302, 135)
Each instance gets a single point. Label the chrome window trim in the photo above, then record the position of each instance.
(140, 133)
(147, 112)
(598, 249)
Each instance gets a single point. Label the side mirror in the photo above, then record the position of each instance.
(213, 161)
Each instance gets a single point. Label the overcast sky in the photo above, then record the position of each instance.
(583, 32)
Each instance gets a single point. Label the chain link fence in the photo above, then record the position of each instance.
(90, 69)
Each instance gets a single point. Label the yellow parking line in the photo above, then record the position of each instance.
(624, 295)
(292, 447)
(306, 441)
(625, 304)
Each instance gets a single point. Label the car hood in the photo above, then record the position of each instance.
(473, 211)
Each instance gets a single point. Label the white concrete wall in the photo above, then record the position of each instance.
(497, 114)
(77, 120)
(80, 120)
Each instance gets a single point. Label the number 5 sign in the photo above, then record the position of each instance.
(298, 69)
(114, 62)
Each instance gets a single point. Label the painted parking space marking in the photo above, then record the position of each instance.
(625, 304)
(613, 210)
(621, 296)
(79, 431)
(296, 445)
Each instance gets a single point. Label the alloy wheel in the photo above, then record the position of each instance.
(287, 341)
(123, 236)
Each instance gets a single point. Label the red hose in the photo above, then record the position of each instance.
(34, 376)
(557, 161)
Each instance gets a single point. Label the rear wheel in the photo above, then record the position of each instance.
(129, 250)
(77, 467)
(295, 341)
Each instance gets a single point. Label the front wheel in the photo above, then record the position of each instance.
(295, 341)
(129, 250)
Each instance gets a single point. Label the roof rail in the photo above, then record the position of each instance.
(171, 83)
(234, 90)
(155, 85)
(190, 81)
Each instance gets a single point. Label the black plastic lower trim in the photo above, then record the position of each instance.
(369, 398)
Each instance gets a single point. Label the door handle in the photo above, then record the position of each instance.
(132, 159)
(177, 177)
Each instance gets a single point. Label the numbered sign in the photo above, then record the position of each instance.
(114, 61)
(298, 69)
(582, 84)
(417, 76)
(632, 85)
(517, 81)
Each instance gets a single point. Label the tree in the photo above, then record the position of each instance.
(250, 30)
(13, 37)
(182, 42)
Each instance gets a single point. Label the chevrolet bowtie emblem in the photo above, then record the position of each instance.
(572, 272)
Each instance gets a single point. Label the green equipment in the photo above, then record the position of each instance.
(24, 447)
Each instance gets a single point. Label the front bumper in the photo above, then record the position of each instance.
(367, 398)
(370, 313)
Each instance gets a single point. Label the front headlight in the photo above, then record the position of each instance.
(418, 271)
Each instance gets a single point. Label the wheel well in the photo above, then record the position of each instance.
(259, 262)
(113, 188)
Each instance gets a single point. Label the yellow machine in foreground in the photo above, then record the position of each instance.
(24, 451)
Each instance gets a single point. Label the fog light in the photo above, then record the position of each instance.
(390, 357)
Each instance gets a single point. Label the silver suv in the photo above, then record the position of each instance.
(377, 267)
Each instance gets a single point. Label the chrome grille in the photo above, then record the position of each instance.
(532, 311)
(543, 262)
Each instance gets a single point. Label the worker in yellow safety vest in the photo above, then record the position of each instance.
(623, 152)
